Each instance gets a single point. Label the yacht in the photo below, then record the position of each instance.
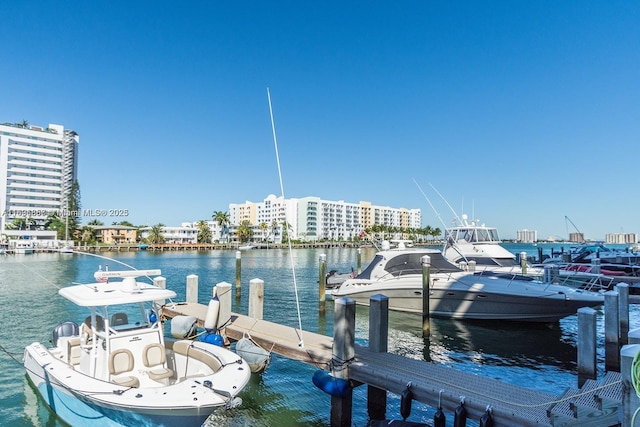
(461, 294)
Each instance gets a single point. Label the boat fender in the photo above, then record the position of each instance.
(211, 338)
(487, 419)
(153, 318)
(460, 415)
(329, 384)
(439, 419)
(211, 320)
(406, 400)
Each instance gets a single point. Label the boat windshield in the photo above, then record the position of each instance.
(411, 263)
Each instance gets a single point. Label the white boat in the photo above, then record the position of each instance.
(471, 241)
(23, 247)
(458, 294)
(118, 370)
(246, 247)
(477, 247)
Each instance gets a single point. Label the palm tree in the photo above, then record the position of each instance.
(222, 218)
(155, 235)
(204, 232)
(88, 235)
(244, 231)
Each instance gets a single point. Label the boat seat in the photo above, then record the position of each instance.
(185, 348)
(154, 357)
(120, 363)
(65, 329)
(119, 319)
(86, 325)
(73, 351)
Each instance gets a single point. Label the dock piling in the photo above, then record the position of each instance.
(343, 351)
(623, 308)
(378, 342)
(586, 345)
(359, 261)
(426, 278)
(192, 288)
(322, 283)
(611, 331)
(256, 298)
(238, 270)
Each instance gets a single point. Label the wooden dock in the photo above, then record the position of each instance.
(596, 403)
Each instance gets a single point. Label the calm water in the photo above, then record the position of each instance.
(541, 357)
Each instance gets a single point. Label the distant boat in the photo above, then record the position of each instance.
(67, 248)
(23, 247)
(246, 247)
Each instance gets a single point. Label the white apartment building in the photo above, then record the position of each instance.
(312, 219)
(527, 236)
(621, 238)
(183, 234)
(37, 169)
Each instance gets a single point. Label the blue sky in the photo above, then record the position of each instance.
(519, 113)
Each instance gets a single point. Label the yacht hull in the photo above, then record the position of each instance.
(472, 301)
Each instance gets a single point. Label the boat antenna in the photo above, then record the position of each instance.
(295, 284)
(444, 226)
(447, 203)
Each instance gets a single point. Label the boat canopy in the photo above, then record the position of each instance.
(114, 293)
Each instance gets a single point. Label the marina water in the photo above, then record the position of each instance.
(536, 356)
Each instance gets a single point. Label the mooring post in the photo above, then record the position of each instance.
(623, 306)
(256, 298)
(523, 263)
(238, 270)
(630, 383)
(160, 282)
(322, 282)
(378, 342)
(426, 278)
(539, 255)
(192, 288)
(344, 331)
(223, 292)
(586, 345)
(611, 331)
(359, 261)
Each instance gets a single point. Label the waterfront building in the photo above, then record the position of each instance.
(576, 237)
(312, 219)
(38, 167)
(182, 234)
(527, 236)
(115, 234)
(621, 238)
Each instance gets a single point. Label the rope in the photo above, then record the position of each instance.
(295, 284)
(635, 381)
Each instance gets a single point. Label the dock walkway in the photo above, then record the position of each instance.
(596, 404)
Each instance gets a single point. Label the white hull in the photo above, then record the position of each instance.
(465, 295)
(80, 400)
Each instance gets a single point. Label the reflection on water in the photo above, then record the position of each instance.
(542, 357)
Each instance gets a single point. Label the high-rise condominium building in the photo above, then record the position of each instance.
(37, 169)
